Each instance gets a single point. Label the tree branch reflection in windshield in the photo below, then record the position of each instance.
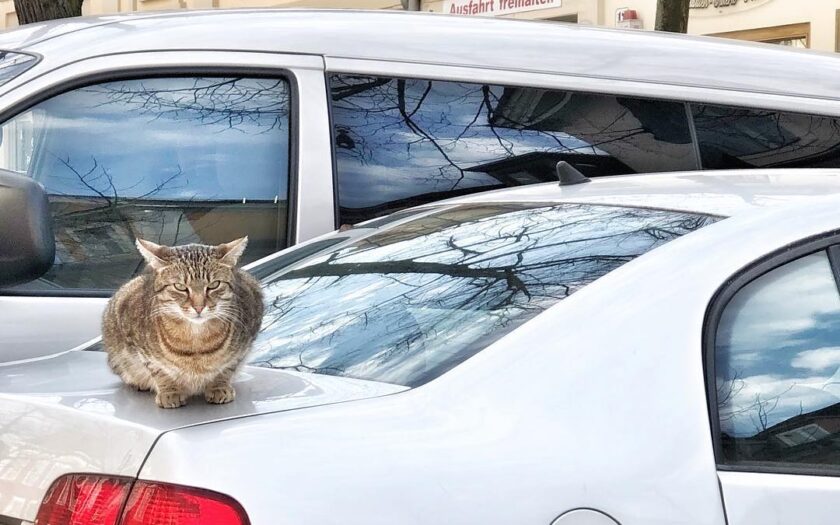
(408, 303)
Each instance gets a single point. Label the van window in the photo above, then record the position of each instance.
(172, 160)
(402, 142)
(756, 138)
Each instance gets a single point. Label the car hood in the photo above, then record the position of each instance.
(70, 413)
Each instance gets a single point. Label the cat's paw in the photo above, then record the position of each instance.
(220, 395)
(170, 399)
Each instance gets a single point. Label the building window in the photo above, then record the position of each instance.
(793, 35)
(571, 19)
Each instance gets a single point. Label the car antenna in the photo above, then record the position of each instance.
(568, 175)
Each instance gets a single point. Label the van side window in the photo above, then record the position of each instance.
(402, 142)
(756, 138)
(777, 370)
(172, 160)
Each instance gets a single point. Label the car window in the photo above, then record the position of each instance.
(777, 369)
(731, 137)
(173, 160)
(415, 298)
(402, 142)
(13, 64)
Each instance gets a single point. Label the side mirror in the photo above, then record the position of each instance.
(27, 246)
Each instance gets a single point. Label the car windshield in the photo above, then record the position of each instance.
(416, 297)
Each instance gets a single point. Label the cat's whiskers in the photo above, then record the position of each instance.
(228, 314)
(161, 311)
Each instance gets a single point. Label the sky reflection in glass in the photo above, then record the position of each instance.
(204, 139)
(413, 300)
(778, 348)
(401, 142)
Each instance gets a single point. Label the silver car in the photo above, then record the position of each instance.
(285, 125)
(636, 350)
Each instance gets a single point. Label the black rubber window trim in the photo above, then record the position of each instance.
(827, 242)
(328, 76)
(834, 261)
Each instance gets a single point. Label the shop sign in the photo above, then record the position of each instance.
(703, 4)
(496, 7)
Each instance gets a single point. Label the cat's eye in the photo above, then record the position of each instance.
(214, 285)
(180, 287)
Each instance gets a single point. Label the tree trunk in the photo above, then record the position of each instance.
(29, 11)
(672, 15)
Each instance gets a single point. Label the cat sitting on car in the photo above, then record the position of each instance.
(184, 326)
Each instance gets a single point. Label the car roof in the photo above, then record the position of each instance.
(513, 45)
(723, 193)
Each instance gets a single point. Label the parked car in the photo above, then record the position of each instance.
(643, 349)
(283, 125)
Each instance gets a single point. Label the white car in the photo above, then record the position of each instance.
(641, 350)
(204, 126)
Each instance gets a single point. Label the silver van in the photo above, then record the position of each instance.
(284, 125)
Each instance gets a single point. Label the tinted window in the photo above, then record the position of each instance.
(421, 296)
(401, 142)
(757, 138)
(777, 361)
(173, 160)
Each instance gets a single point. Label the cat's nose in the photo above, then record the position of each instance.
(198, 308)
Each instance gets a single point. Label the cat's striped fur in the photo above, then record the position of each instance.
(183, 326)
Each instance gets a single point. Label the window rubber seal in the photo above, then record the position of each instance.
(834, 261)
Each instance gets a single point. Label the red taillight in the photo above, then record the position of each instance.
(159, 503)
(80, 499)
(84, 499)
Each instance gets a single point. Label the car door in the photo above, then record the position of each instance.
(773, 371)
(174, 147)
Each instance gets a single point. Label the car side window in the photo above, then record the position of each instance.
(173, 160)
(401, 142)
(777, 370)
(734, 138)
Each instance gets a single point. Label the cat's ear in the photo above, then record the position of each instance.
(153, 253)
(230, 252)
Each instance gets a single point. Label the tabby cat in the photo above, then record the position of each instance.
(183, 327)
